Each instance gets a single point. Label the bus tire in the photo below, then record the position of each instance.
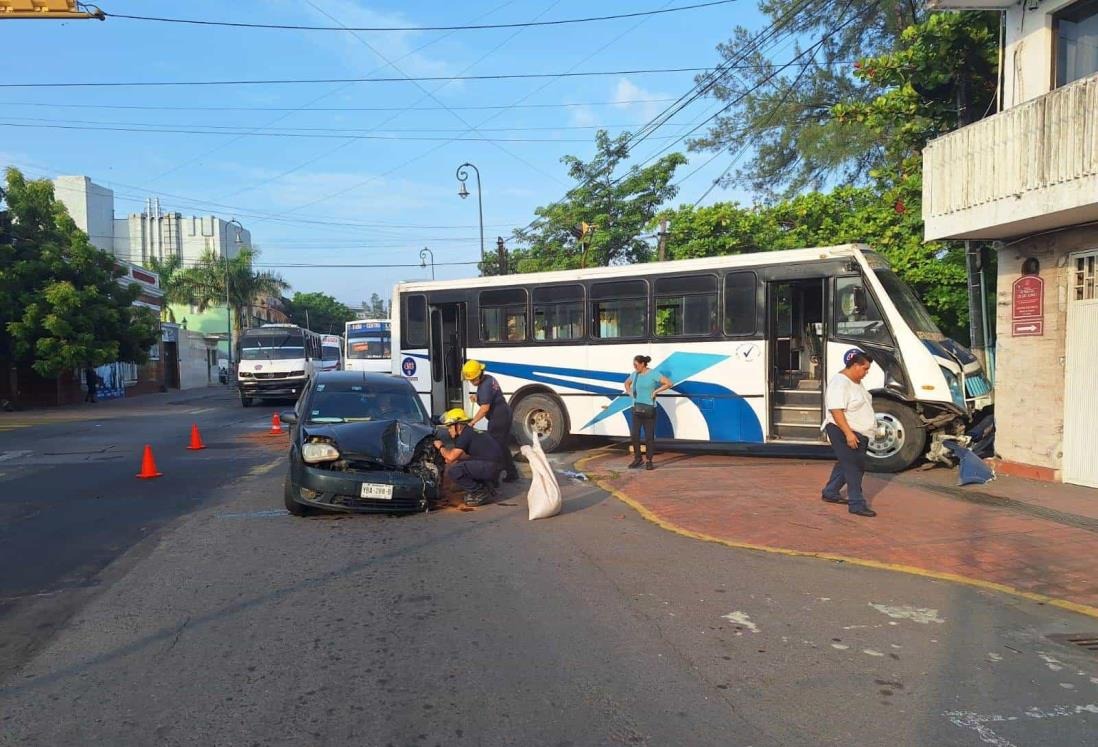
(543, 414)
(245, 401)
(901, 440)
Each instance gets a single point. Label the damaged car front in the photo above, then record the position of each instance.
(361, 442)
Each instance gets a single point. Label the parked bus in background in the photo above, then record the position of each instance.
(331, 347)
(368, 345)
(276, 360)
(748, 342)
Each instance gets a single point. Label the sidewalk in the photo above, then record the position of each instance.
(1036, 540)
(120, 407)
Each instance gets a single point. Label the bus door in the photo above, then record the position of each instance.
(796, 333)
(447, 356)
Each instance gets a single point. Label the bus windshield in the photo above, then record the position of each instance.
(373, 344)
(911, 309)
(272, 347)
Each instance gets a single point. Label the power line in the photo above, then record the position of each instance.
(562, 105)
(318, 135)
(470, 27)
(387, 79)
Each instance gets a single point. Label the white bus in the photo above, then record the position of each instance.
(276, 360)
(331, 357)
(748, 341)
(368, 345)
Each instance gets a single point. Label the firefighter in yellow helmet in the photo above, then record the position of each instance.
(493, 406)
(474, 460)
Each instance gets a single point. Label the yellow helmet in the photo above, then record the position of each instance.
(472, 370)
(454, 416)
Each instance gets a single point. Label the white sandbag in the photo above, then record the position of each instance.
(544, 497)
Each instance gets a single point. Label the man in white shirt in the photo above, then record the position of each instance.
(849, 425)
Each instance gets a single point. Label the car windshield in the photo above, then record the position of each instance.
(357, 403)
(912, 310)
(331, 354)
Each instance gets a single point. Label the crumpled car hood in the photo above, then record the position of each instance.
(391, 442)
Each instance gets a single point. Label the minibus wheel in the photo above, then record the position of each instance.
(901, 438)
(542, 415)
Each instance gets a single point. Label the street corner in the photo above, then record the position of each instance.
(774, 506)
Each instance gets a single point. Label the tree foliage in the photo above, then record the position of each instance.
(61, 305)
(168, 269)
(214, 279)
(615, 210)
(319, 312)
(376, 307)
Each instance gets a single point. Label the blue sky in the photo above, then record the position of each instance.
(334, 200)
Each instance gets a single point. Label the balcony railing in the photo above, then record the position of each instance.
(1030, 168)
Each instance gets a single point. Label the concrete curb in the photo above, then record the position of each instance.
(978, 583)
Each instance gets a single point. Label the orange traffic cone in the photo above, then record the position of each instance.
(196, 439)
(276, 425)
(148, 465)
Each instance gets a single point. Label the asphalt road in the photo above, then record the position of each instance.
(70, 503)
(236, 624)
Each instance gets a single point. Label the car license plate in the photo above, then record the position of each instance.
(377, 492)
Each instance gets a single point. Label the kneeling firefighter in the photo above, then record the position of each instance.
(493, 406)
(475, 460)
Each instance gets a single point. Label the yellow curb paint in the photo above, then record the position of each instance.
(979, 583)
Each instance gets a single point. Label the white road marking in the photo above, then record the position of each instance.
(741, 618)
(979, 723)
(906, 612)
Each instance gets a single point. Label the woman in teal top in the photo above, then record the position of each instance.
(643, 386)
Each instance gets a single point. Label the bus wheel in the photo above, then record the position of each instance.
(901, 438)
(541, 415)
(245, 401)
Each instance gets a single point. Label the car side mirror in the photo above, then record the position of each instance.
(288, 416)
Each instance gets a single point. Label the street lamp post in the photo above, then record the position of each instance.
(228, 301)
(462, 175)
(423, 255)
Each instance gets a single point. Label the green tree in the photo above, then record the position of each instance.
(845, 215)
(319, 312)
(168, 269)
(215, 278)
(61, 305)
(614, 210)
(783, 118)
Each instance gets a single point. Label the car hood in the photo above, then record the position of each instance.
(391, 442)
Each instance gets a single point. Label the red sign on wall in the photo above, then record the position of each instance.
(1028, 306)
(1029, 297)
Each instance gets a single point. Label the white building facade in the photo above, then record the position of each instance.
(1026, 180)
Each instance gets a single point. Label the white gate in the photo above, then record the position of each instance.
(1080, 400)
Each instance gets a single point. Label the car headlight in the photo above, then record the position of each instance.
(245, 374)
(319, 451)
(954, 387)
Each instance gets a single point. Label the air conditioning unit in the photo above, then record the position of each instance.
(972, 4)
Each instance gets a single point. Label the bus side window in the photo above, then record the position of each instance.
(739, 303)
(503, 315)
(619, 309)
(855, 315)
(686, 305)
(414, 328)
(558, 312)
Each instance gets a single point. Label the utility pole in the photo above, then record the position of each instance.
(501, 250)
(977, 304)
(662, 241)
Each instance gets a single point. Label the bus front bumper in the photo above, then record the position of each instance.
(272, 387)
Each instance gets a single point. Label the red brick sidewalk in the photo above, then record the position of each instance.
(1032, 539)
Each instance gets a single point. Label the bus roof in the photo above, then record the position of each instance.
(754, 259)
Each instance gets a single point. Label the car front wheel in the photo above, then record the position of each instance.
(289, 491)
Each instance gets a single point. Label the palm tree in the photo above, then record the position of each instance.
(170, 282)
(204, 285)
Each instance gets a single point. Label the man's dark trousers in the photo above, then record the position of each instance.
(499, 428)
(473, 474)
(849, 469)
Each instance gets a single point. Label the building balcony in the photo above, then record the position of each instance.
(1031, 168)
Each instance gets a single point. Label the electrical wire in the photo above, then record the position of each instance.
(383, 79)
(219, 109)
(469, 27)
